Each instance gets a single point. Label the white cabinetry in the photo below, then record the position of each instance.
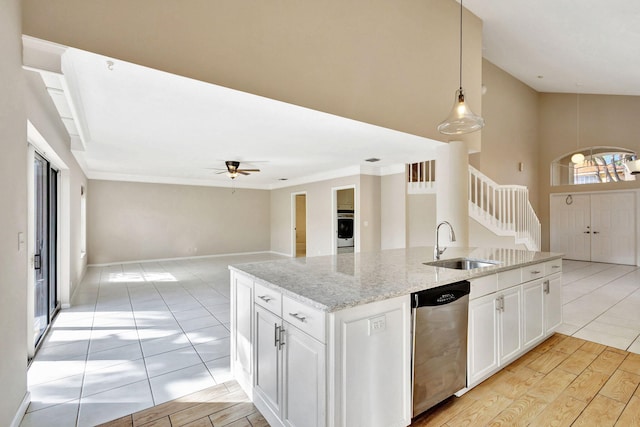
(267, 385)
(552, 303)
(509, 324)
(510, 313)
(483, 338)
(533, 312)
(289, 387)
(242, 325)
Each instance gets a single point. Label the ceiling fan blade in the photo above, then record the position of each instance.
(241, 172)
(224, 171)
(249, 170)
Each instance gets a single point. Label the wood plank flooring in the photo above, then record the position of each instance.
(565, 381)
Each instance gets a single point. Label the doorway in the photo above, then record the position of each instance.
(598, 227)
(344, 220)
(300, 225)
(45, 296)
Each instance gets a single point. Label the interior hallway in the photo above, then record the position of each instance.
(139, 335)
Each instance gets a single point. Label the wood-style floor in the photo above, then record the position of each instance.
(565, 381)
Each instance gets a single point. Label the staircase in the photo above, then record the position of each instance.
(503, 209)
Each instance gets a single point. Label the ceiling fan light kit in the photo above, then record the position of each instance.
(461, 120)
(233, 169)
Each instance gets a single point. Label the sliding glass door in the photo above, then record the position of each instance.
(44, 259)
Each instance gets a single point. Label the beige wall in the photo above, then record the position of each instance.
(368, 213)
(421, 220)
(605, 120)
(393, 211)
(320, 227)
(45, 118)
(510, 136)
(13, 215)
(390, 63)
(130, 221)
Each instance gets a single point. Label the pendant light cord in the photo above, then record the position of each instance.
(460, 44)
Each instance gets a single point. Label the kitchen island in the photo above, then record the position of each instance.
(327, 340)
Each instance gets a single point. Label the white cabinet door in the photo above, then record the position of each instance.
(304, 379)
(552, 303)
(242, 328)
(533, 312)
(268, 360)
(483, 338)
(510, 321)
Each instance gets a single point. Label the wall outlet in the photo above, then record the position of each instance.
(377, 325)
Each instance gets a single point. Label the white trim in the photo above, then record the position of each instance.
(277, 253)
(107, 264)
(334, 217)
(22, 410)
(41, 55)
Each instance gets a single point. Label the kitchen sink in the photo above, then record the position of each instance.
(462, 263)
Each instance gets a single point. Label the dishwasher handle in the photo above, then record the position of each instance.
(441, 295)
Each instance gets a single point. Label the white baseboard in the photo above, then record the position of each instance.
(184, 258)
(17, 419)
(280, 253)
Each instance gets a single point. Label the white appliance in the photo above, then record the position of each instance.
(345, 228)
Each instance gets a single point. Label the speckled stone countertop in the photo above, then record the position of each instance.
(335, 282)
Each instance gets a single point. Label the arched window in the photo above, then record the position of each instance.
(593, 165)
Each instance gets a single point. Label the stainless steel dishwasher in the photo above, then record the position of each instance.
(440, 317)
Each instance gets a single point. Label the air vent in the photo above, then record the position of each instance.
(372, 160)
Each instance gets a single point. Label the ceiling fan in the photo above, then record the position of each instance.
(233, 169)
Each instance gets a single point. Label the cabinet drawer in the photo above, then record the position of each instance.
(532, 272)
(268, 298)
(483, 286)
(509, 278)
(552, 267)
(305, 318)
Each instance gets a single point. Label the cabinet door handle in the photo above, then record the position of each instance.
(500, 303)
(298, 317)
(37, 261)
(586, 232)
(281, 339)
(276, 335)
(596, 232)
(545, 286)
(265, 298)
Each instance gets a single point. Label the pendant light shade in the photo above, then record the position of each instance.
(461, 120)
(577, 158)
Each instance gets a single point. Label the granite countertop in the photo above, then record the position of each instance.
(335, 282)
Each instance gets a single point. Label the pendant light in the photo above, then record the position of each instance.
(577, 158)
(461, 120)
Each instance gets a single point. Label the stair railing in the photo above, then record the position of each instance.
(503, 209)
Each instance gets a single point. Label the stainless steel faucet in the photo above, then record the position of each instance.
(452, 237)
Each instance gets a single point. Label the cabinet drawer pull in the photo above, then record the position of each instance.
(298, 317)
(555, 266)
(535, 272)
(276, 335)
(281, 340)
(265, 298)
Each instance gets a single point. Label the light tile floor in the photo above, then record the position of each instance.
(601, 303)
(142, 334)
(137, 335)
